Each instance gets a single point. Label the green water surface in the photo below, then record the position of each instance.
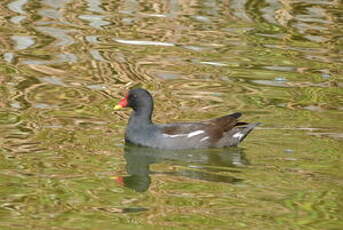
(65, 64)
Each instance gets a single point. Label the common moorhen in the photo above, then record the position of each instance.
(215, 133)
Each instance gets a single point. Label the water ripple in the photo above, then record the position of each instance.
(149, 43)
(56, 4)
(17, 19)
(95, 6)
(50, 13)
(95, 21)
(61, 36)
(17, 6)
(58, 59)
(23, 42)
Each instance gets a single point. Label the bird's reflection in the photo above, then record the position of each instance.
(195, 164)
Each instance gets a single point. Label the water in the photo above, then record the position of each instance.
(64, 64)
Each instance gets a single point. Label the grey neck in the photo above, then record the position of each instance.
(141, 116)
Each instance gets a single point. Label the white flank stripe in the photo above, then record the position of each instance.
(186, 134)
(176, 135)
(204, 138)
(238, 135)
(195, 133)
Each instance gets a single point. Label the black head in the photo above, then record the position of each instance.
(137, 99)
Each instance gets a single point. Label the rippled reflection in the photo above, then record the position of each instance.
(193, 164)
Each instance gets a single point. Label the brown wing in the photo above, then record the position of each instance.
(218, 126)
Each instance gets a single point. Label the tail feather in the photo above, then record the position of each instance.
(241, 123)
(245, 130)
(235, 115)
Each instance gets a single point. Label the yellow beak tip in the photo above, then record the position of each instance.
(118, 107)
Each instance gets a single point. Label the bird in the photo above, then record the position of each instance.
(221, 132)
